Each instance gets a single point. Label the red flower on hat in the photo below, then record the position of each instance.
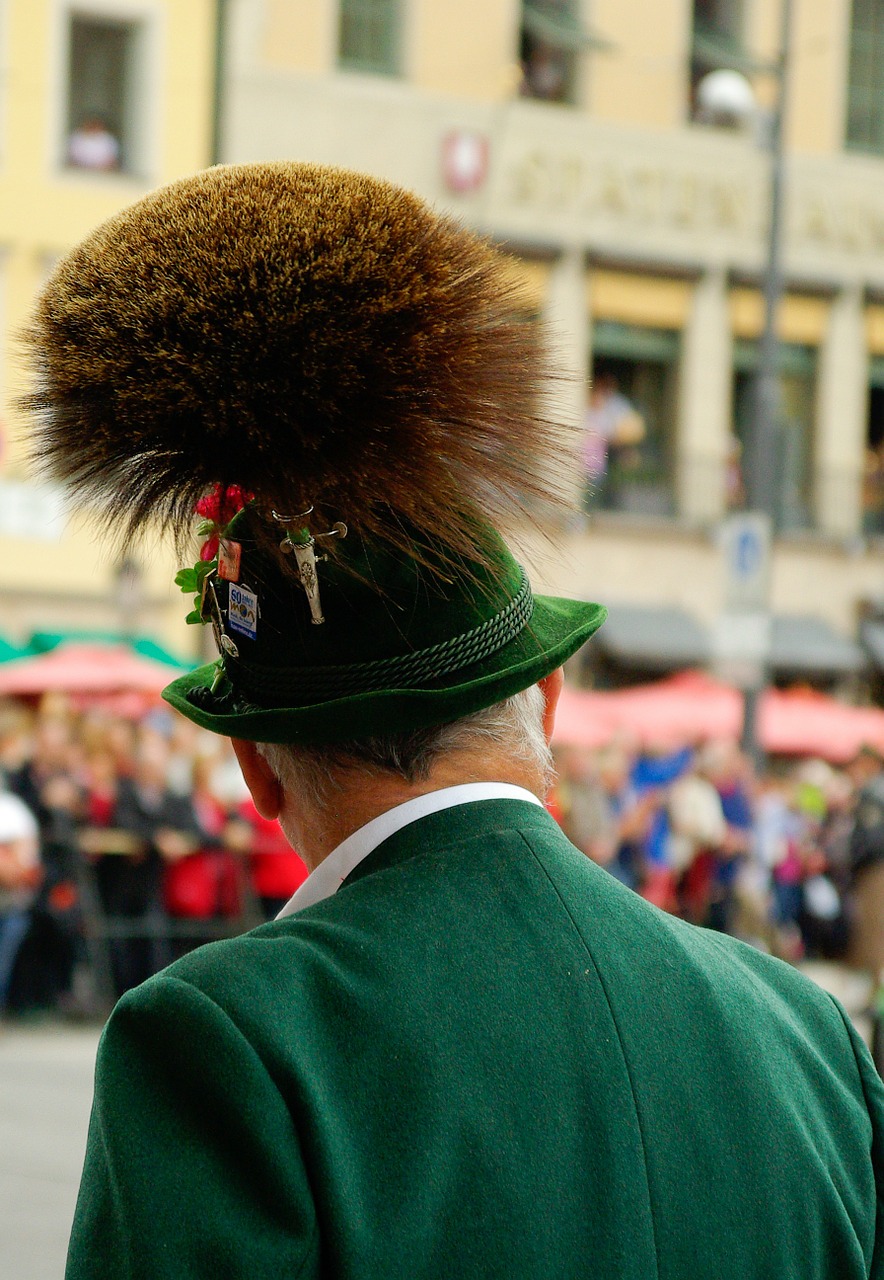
(220, 509)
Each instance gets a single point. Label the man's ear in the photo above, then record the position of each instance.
(551, 686)
(260, 778)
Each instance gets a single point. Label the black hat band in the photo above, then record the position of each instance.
(283, 685)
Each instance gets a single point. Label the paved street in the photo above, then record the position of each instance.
(45, 1096)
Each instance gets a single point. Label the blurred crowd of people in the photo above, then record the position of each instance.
(122, 845)
(788, 858)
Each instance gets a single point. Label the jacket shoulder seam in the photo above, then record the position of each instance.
(583, 942)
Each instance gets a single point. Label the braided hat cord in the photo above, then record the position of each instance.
(407, 671)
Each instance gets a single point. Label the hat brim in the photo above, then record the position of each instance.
(557, 629)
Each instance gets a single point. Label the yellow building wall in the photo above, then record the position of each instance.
(465, 50)
(820, 60)
(77, 577)
(44, 211)
(531, 279)
(820, 50)
(801, 319)
(446, 48)
(653, 302)
(875, 329)
(642, 79)
(299, 37)
(761, 36)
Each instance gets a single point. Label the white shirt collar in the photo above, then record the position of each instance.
(328, 877)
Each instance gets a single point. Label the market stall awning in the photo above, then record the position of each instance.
(664, 639)
(806, 646)
(652, 638)
(871, 637)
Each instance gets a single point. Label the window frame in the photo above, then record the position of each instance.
(145, 123)
(652, 491)
(797, 363)
(871, 89)
(391, 65)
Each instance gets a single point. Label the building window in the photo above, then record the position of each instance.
(630, 420)
(865, 86)
(104, 122)
(716, 43)
(794, 431)
(549, 41)
(873, 462)
(369, 36)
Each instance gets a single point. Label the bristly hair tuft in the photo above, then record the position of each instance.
(319, 337)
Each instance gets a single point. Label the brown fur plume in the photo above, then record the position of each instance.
(316, 336)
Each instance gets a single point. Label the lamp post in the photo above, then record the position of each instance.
(763, 456)
(746, 625)
(761, 463)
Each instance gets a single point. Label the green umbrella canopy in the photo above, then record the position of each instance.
(46, 641)
(8, 651)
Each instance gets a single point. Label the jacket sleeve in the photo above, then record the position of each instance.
(193, 1165)
(873, 1091)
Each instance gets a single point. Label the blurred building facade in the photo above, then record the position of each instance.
(572, 132)
(100, 100)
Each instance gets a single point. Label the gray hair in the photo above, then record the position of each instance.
(515, 726)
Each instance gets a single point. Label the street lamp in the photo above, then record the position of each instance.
(726, 98)
(724, 93)
(762, 461)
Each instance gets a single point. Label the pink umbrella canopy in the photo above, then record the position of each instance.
(804, 722)
(582, 719)
(688, 707)
(84, 669)
(693, 707)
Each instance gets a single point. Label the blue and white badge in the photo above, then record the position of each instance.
(242, 611)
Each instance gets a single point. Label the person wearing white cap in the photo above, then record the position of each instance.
(19, 877)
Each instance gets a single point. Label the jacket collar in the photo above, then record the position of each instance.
(343, 860)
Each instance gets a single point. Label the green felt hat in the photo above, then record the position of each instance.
(405, 642)
(320, 342)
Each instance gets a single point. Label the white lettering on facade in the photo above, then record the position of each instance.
(639, 194)
(682, 200)
(856, 226)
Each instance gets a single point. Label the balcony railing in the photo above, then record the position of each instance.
(702, 490)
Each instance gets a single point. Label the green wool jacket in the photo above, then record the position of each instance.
(483, 1057)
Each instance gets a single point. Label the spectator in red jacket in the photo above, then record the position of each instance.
(276, 870)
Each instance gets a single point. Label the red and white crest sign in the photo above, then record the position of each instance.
(464, 160)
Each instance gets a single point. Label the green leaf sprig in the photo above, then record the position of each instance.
(191, 582)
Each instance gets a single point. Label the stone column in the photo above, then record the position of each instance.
(841, 413)
(567, 316)
(704, 402)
